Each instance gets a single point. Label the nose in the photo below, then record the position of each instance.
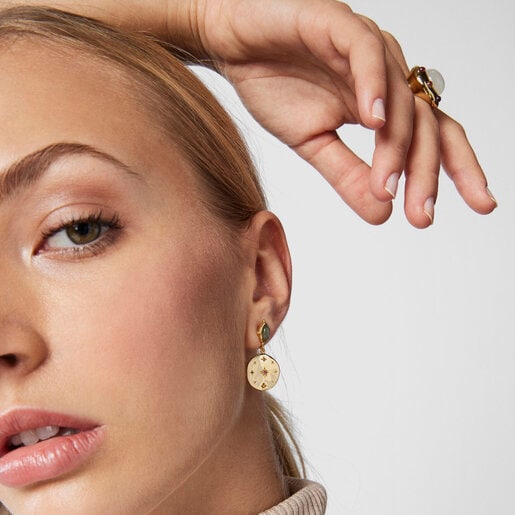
(22, 348)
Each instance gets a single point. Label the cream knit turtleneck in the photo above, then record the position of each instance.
(306, 498)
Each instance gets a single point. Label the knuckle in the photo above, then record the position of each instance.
(343, 7)
(373, 42)
(371, 24)
(400, 147)
(424, 170)
(388, 36)
(425, 116)
(460, 129)
(433, 124)
(396, 150)
(408, 98)
(390, 39)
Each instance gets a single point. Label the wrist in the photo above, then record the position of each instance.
(185, 21)
(176, 21)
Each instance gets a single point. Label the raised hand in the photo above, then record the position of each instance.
(304, 68)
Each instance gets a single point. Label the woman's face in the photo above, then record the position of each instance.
(121, 313)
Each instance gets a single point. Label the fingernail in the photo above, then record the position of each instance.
(391, 184)
(429, 208)
(378, 110)
(489, 193)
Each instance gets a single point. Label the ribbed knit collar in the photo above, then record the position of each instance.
(306, 498)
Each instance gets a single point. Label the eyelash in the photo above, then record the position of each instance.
(94, 248)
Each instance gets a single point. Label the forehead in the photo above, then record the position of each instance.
(50, 94)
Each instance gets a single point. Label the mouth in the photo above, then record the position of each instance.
(38, 445)
(39, 434)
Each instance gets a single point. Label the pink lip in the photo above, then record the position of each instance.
(49, 458)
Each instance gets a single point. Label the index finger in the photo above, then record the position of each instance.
(365, 49)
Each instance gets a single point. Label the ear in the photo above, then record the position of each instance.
(270, 274)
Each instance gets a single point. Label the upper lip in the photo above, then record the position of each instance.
(16, 420)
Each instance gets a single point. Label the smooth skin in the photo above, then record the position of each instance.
(152, 345)
(304, 68)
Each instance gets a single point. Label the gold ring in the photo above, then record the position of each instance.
(426, 84)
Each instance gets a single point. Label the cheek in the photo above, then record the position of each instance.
(152, 348)
(173, 321)
(157, 308)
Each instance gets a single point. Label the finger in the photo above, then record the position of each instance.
(394, 139)
(462, 166)
(346, 173)
(423, 163)
(396, 51)
(457, 155)
(367, 60)
(422, 167)
(368, 66)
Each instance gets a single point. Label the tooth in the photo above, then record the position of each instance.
(15, 440)
(67, 431)
(44, 433)
(29, 437)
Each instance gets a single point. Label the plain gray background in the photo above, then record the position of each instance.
(398, 354)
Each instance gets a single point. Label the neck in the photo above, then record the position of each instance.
(241, 476)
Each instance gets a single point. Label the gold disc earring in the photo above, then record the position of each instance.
(262, 370)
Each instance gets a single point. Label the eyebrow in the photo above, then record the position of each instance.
(30, 169)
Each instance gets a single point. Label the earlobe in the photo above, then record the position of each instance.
(271, 275)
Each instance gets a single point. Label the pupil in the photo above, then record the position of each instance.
(82, 229)
(83, 232)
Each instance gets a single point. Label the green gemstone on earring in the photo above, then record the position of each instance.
(265, 332)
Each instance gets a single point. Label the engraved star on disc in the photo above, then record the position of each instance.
(263, 372)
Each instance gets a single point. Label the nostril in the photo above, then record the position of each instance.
(11, 360)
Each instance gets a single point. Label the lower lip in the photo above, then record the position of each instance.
(49, 459)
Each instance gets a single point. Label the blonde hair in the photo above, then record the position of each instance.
(185, 109)
(194, 120)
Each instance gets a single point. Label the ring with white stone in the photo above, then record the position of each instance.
(426, 84)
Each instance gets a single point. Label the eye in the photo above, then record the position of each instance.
(81, 236)
(77, 233)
